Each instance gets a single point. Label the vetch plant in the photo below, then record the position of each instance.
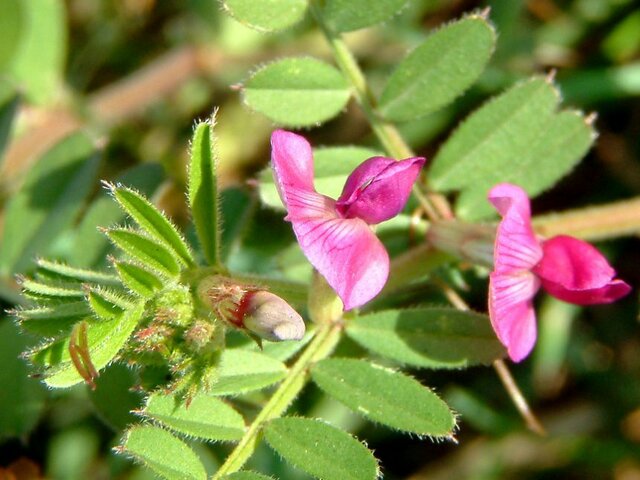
(218, 344)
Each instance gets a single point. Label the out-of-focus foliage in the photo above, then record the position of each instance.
(100, 89)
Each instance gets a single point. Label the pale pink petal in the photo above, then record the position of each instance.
(516, 247)
(347, 254)
(576, 272)
(302, 204)
(511, 311)
(378, 188)
(292, 163)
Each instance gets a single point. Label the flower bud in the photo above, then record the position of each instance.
(270, 317)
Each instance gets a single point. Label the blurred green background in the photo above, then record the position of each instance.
(134, 74)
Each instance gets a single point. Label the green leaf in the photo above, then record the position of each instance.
(105, 339)
(152, 222)
(567, 139)
(53, 193)
(428, 337)
(320, 449)
(385, 396)
(51, 289)
(144, 250)
(246, 475)
(107, 304)
(22, 397)
(206, 417)
(203, 190)
(38, 62)
(90, 245)
(242, 371)
(116, 396)
(11, 27)
(332, 166)
(297, 92)
(163, 453)
(439, 70)
(52, 320)
(516, 137)
(269, 16)
(137, 279)
(348, 15)
(9, 101)
(66, 272)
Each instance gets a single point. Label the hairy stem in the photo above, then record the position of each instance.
(326, 338)
(593, 223)
(434, 205)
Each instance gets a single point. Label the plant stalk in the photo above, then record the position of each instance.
(435, 205)
(326, 338)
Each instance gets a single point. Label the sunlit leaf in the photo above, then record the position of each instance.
(246, 475)
(11, 27)
(205, 417)
(66, 272)
(104, 338)
(517, 137)
(38, 61)
(52, 320)
(144, 250)
(269, 16)
(320, 449)
(153, 222)
(385, 396)
(439, 70)
(163, 453)
(347, 15)
(203, 191)
(242, 371)
(90, 245)
(297, 91)
(137, 279)
(428, 337)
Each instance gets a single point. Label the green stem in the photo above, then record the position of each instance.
(593, 223)
(435, 205)
(386, 132)
(326, 338)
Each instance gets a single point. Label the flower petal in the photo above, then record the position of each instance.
(347, 254)
(516, 248)
(292, 162)
(511, 311)
(378, 188)
(576, 272)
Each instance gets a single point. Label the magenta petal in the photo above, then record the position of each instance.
(378, 188)
(576, 272)
(516, 248)
(292, 162)
(347, 254)
(511, 311)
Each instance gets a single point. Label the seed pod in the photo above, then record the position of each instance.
(270, 317)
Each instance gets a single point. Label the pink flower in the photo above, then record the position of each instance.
(335, 235)
(567, 268)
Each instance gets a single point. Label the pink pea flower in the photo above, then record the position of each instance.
(567, 268)
(335, 235)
